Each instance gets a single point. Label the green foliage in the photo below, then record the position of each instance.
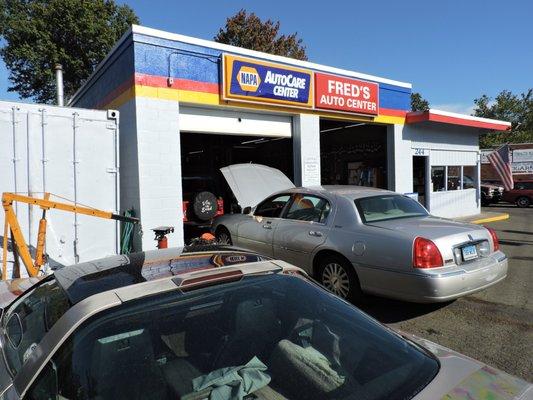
(75, 33)
(418, 103)
(517, 109)
(248, 31)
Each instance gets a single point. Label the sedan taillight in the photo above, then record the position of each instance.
(495, 241)
(426, 254)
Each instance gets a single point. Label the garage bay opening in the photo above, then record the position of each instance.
(353, 153)
(202, 156)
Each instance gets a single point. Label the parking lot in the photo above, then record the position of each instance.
(494, 326)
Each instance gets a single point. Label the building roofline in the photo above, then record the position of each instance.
(100, 65)
(252, 53)
(446, 117)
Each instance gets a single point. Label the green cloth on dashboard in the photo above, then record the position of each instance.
(233, 383)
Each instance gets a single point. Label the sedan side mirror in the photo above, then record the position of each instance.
(247, 210)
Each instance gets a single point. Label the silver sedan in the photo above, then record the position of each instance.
(357, 240)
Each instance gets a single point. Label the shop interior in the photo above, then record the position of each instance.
(353, 153)
(202, 156)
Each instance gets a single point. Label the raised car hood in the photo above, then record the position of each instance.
(252, 183)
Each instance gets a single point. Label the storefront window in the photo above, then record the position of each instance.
(469, 177)
(437, 179)
(454, 177)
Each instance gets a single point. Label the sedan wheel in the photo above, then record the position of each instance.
(336, 279)
(336, 276)
(223, 237)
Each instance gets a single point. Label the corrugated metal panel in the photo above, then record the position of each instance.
(72, 153)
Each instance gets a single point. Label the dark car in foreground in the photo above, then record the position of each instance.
(217, 324)
(521, 194)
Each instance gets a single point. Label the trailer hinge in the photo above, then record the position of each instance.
(112, 170)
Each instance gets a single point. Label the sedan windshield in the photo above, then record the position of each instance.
(387, 207)
(263, 337)
(29, 318)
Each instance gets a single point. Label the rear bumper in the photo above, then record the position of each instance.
(435, 287)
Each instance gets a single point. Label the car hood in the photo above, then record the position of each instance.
(461, 377)
(429, 227)
(252, 183)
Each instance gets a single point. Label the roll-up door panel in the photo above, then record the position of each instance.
(201, 120)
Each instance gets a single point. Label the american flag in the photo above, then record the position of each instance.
(502, 164)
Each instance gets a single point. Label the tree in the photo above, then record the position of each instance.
(418, 103)
(248, 31)
(75, 33)
(517, 109)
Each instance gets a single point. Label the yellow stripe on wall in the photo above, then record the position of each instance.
(211, 99)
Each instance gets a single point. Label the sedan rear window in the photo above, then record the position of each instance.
(387, 207)
(271, 336)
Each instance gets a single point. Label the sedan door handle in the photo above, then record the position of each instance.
(315, 233)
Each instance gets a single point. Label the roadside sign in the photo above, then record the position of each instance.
(522, 155)
(522, 168)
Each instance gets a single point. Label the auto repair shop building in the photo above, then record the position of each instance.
(189, 107)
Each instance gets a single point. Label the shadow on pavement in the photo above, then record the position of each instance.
(390, 311)
(515, 242)
(500, 205)
(519, 232)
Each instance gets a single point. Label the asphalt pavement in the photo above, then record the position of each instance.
(495, 325)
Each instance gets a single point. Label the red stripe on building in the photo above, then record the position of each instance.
(428, 116)
(183, 84)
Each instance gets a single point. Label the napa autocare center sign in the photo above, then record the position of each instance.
(346, 94)
(250, 80)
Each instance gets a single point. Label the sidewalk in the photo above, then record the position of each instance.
(484, 217)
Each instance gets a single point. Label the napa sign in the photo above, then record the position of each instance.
(263, 82)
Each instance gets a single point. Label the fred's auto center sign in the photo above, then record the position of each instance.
(346, 94)
(250, 80)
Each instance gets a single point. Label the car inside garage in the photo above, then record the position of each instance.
(202, 156)
(353, 153)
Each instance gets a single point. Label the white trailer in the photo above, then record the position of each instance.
(72, 153)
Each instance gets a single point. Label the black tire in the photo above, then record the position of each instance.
(523, 202)
(223, 236)
(337, 275)
(204, 206)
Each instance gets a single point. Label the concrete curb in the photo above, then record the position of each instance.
(500, 217)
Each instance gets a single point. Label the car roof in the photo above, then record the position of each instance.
(351, 192)
(83, 280)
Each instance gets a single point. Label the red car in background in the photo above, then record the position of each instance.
(521, 194)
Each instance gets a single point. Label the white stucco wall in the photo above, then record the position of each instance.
(445, 145)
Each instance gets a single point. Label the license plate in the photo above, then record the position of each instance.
(469, 252)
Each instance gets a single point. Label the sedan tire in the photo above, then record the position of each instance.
(339, 277)
(223, 236)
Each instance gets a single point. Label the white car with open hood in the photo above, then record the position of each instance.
(357, 240)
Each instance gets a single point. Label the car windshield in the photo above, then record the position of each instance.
(29, 318)
(274, 336)
(387, 207)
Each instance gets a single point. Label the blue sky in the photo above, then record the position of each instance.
(452, 51)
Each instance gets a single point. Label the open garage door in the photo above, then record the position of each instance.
(353, 153)
(213, 139)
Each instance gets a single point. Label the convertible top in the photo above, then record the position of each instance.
(83, 280)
